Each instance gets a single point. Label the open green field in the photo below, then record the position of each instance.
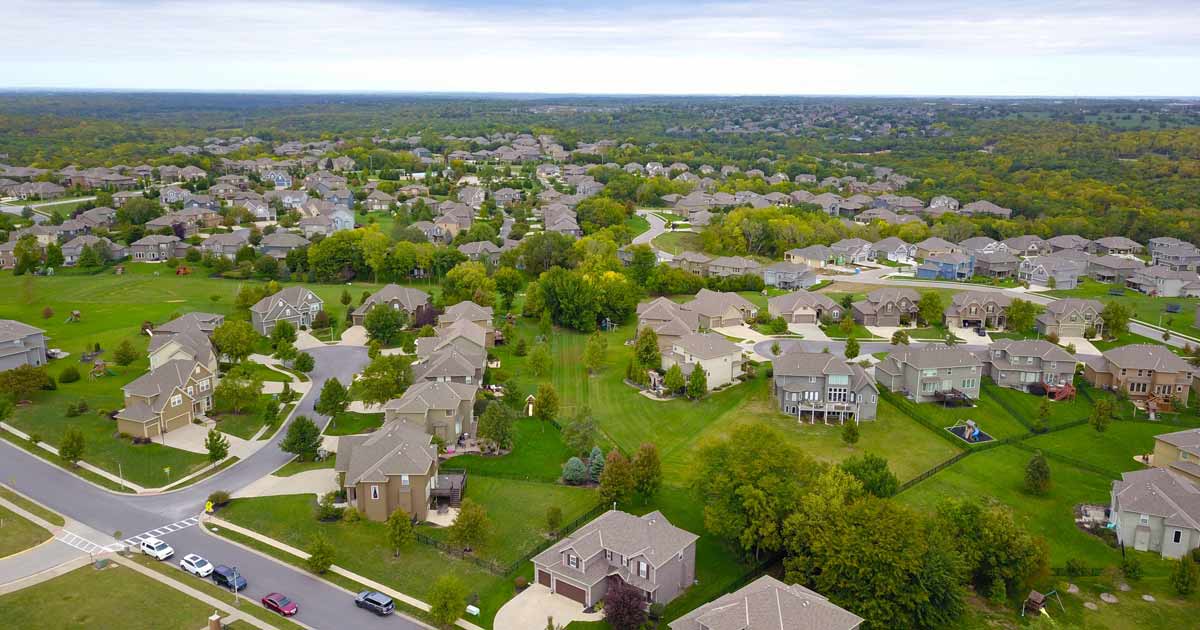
(1151, 310)
(1114, 450)
(678, 242)
(115, 597)
(18, 534)
(538, 455)
(352, 423)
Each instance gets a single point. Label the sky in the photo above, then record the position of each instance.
(849, 47)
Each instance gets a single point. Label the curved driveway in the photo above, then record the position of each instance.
(321, 604)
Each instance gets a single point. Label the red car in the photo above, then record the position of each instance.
(280, 604)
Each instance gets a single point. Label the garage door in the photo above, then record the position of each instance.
(543, 578)
(573, 592)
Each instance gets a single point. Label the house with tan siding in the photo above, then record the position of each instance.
(166, 398)
(393, 468)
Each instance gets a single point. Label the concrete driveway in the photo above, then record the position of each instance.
(811, 332)
(355, 336)
(531, 608)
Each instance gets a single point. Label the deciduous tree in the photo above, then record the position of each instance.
(447, 599)
(217, 445)
(334, 398)
(235, 339)
(471, 527)
(647, 470)
(616, 481)
(545, 404)
(385, 378)
(1037, 474)
(400, 531)
(872, 471)
(384, 324)
(303, 439)
(72, 445)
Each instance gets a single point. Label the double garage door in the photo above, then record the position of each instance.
(562, 588)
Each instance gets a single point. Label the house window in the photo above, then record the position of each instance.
(1144, 519)
(872, 398)
(1177, 536)
(836, 394)
(643, 570)
(375, 492)
(176, 400)
(204, 385)
(608, 555)
(572, 561)
(404, 480)
(928, 373)
(968, 383)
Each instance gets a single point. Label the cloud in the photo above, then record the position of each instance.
(853, 46)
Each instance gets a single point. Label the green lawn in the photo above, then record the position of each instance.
(265, 373)
(987, 413)
(245, 423)
(858, 331)
(351, 423)
(31, 507)
(297, 466)
(932, 333)
(678, 242)
(1113, 450)
(1028, 406)
(538, 455)
(385, 220)
(1151, 310)
(18, 534)
(517, 510)
(637, 224)
(116, 597)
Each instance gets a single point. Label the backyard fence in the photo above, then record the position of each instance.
(933, 471)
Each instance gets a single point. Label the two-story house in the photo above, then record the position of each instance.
(786, 275)
(226, 244)
(931, 373)
(802, 307)
(716, 309)
(464, 337)
(1068, 241)
(1019, 364)
(104, 248)
(815, 256)
(1180, 452)
(166, 399)
(999, 264)
(668, 319)
(481, 316)
(692, 262)
(646, 552)
(1071, 317)
(768, 604)
(1113, 269)
(1053, 271)
(1183, 257)
(947, 266)
(893, 249)
(886, 307)
(851, 251)
(1152, 376)
(395, 297)
(277, 244)
(155, 247)
(1156, 510)
(443, 409)
(720, 358)
(934, 245)
(977, 309)
(1028, 246)
(296, 305)
(820, 385)
(185, 337)
(394, 468)
(21, 344)
(1161, 281)
(725, 266)
(1115, 246)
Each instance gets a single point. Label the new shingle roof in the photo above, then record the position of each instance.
(935, 357)
(651, 535)
(395, 449)
(1159, 492)
(13, 330)
(768, 604)
(707, 345)
(427, 395)
(1145, 356)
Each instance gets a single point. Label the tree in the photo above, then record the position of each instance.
(1101, 415)
(385, 378)
(646, 349)
(1037, 474)
(472, 527)
(334, 398)
(595, 463)
(283, 334)
(468, 281)
(89, 258)
(125, 354)
(673, 381)
(873, 472)
(400, 532)
(539, 360)
(1021, 314)
(303, 439)
(235, 339)
(623, 607)
(616, 481)
(384, 324)
(217, 445)
(54, 255)
(1116, 318)
(697, 383)
(447, 599)
(850, 433)
(508, 283)
(580, 433)
(321, 321)
(545, 404)
(304, 362)
(71, 448)
(320, 555)
(900, 338)
(496, 426)
(575, 472)
(238, 390)
(594, 353)
(851, 348)
(1186, 576)
(930, 308)
(1043, 417)
(23, 380)
(999, 555)
(647, 470)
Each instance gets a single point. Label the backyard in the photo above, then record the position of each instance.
(1151, 310)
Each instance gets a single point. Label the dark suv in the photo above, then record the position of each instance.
(375, 602)
(223, 576)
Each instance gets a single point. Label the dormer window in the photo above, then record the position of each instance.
(573, 561)
(643, 570)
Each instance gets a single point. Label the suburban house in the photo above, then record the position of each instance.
(768, 604)
(931, 373)
(716, 309)
(886, 307)
(166, 398)
(820, 385)
(934, 245)
(1182, 257)
(724, 266)
(1071, 317)
(450, 365)
(106, 249)
(445, 410)
(692, 262)
(1052, 271)
(803, 307)
(1156, 510)
(1113, 269)
(814, 256)
(185, 337)
(1180, 452)
(21, 344)
(156, 247)
(720, 358)
(646, 552)
(471, 312)
(394, 468)
(1029, 246)
(981, 244)
(947, 266)
(786, 275)
(1068, 241)
(893, 249)
(277, 244)
(977, 309)
(379, 201)
(226, 244)
(393, 296)
(1019, 364)
(1115, 246)
(668, 319)
(466, 338)
(296, 305)
(482, 251)
(1150, 374)
(851, 251)
(1160, 281)
(998, 264)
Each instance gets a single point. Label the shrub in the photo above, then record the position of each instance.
(304, 362)
(351, 515)
(1052, 337)
(520, 582)
(219, 498)
(320, 556)
(1077, 568)
(1131, 567)
(70, 374)
(47, 313)
(1196, 554)
(574, 472)
(35, 438)
(326, 510)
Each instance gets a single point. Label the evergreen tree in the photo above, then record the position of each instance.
(697, 383)
(1037, 474)
(595, 463)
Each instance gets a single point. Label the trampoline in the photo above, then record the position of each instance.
(969, 432)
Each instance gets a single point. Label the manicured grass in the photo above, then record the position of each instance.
(38, 451)
(933, 333)
(18, 534)
(637, 224)
(116, 597)
(1127, 338)
(538, 455)
(245, 423)
(858, 331)
(987, 413)
(385, 220)
(678, 242)
(1113, 450)
(351, 423)
(1151, 310)
(265, 373)
(1028, 406)
(31, 507)
(297, 466)
(517, 510)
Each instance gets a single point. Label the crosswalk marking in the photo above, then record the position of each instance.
(162, 530)
(87, 546)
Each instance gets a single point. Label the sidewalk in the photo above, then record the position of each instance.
(42, 562)
(390, 592)
(82, 464)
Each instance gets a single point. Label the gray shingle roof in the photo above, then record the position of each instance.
(707, 345)
(395, 449)
(768, 604)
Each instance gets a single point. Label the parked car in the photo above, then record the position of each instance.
(280, 604)
(196, 565)
(980, 331)
(375, 602)
(225, 577)
(157, 549)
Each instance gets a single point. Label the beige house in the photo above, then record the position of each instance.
(886, 307)
(720, 358)
(1149, 374)
(392, 296)
(185, 337)
(768, 604)
(166, 399)
(445, 410)
(802, 307)
(977, 309)
(1180, 452)
(668, 319)
(1071, 317)
(393, 468)
(931, 373)
(469, 311)
(715, 309)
